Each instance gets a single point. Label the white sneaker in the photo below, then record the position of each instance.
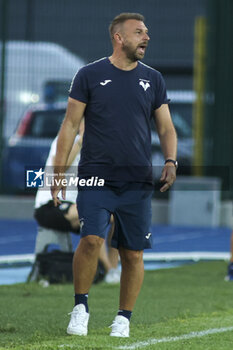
(78, 321)
(113, 276)
(120, 327)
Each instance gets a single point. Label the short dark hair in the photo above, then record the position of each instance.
(121, 18)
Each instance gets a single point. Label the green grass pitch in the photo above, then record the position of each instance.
(172, 303)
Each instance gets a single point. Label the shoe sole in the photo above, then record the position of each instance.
(70, 332)
(119, 335)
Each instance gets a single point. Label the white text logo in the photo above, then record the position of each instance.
(105, 82)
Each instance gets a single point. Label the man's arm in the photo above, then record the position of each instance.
(168, 141)
(76, 146)
(66, 136)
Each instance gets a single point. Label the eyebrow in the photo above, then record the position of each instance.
(140, 29)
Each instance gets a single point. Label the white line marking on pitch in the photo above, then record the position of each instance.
(143, 344)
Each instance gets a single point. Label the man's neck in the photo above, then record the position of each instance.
(122, 62)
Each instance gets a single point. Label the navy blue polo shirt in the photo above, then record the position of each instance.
(120, 104)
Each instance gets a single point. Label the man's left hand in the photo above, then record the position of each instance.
(168, 177)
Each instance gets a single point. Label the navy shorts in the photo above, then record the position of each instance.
(131, 210)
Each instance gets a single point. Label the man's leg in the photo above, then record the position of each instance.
(85, 263)
(84, 268)
(103, 253)
(131, 281)
(109, 259)
(132, 276)
(94, 218)
(73, 218)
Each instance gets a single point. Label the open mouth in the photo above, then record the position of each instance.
(142, 48)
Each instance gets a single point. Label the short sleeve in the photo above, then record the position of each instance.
(79, 86)
(160, 92)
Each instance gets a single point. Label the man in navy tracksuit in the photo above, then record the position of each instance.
(118, 95)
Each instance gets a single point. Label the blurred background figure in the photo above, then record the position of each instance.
(229, 276)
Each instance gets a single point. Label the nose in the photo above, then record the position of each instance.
(146, 37)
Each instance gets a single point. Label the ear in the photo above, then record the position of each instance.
(118, 38)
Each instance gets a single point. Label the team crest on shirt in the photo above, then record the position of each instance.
(144, 83)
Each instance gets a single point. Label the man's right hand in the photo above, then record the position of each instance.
(58, 186)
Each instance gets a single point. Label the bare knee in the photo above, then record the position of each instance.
(91, 244)
(131, 257)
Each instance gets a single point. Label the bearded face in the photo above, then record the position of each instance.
(134, 36)
(134, 52)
